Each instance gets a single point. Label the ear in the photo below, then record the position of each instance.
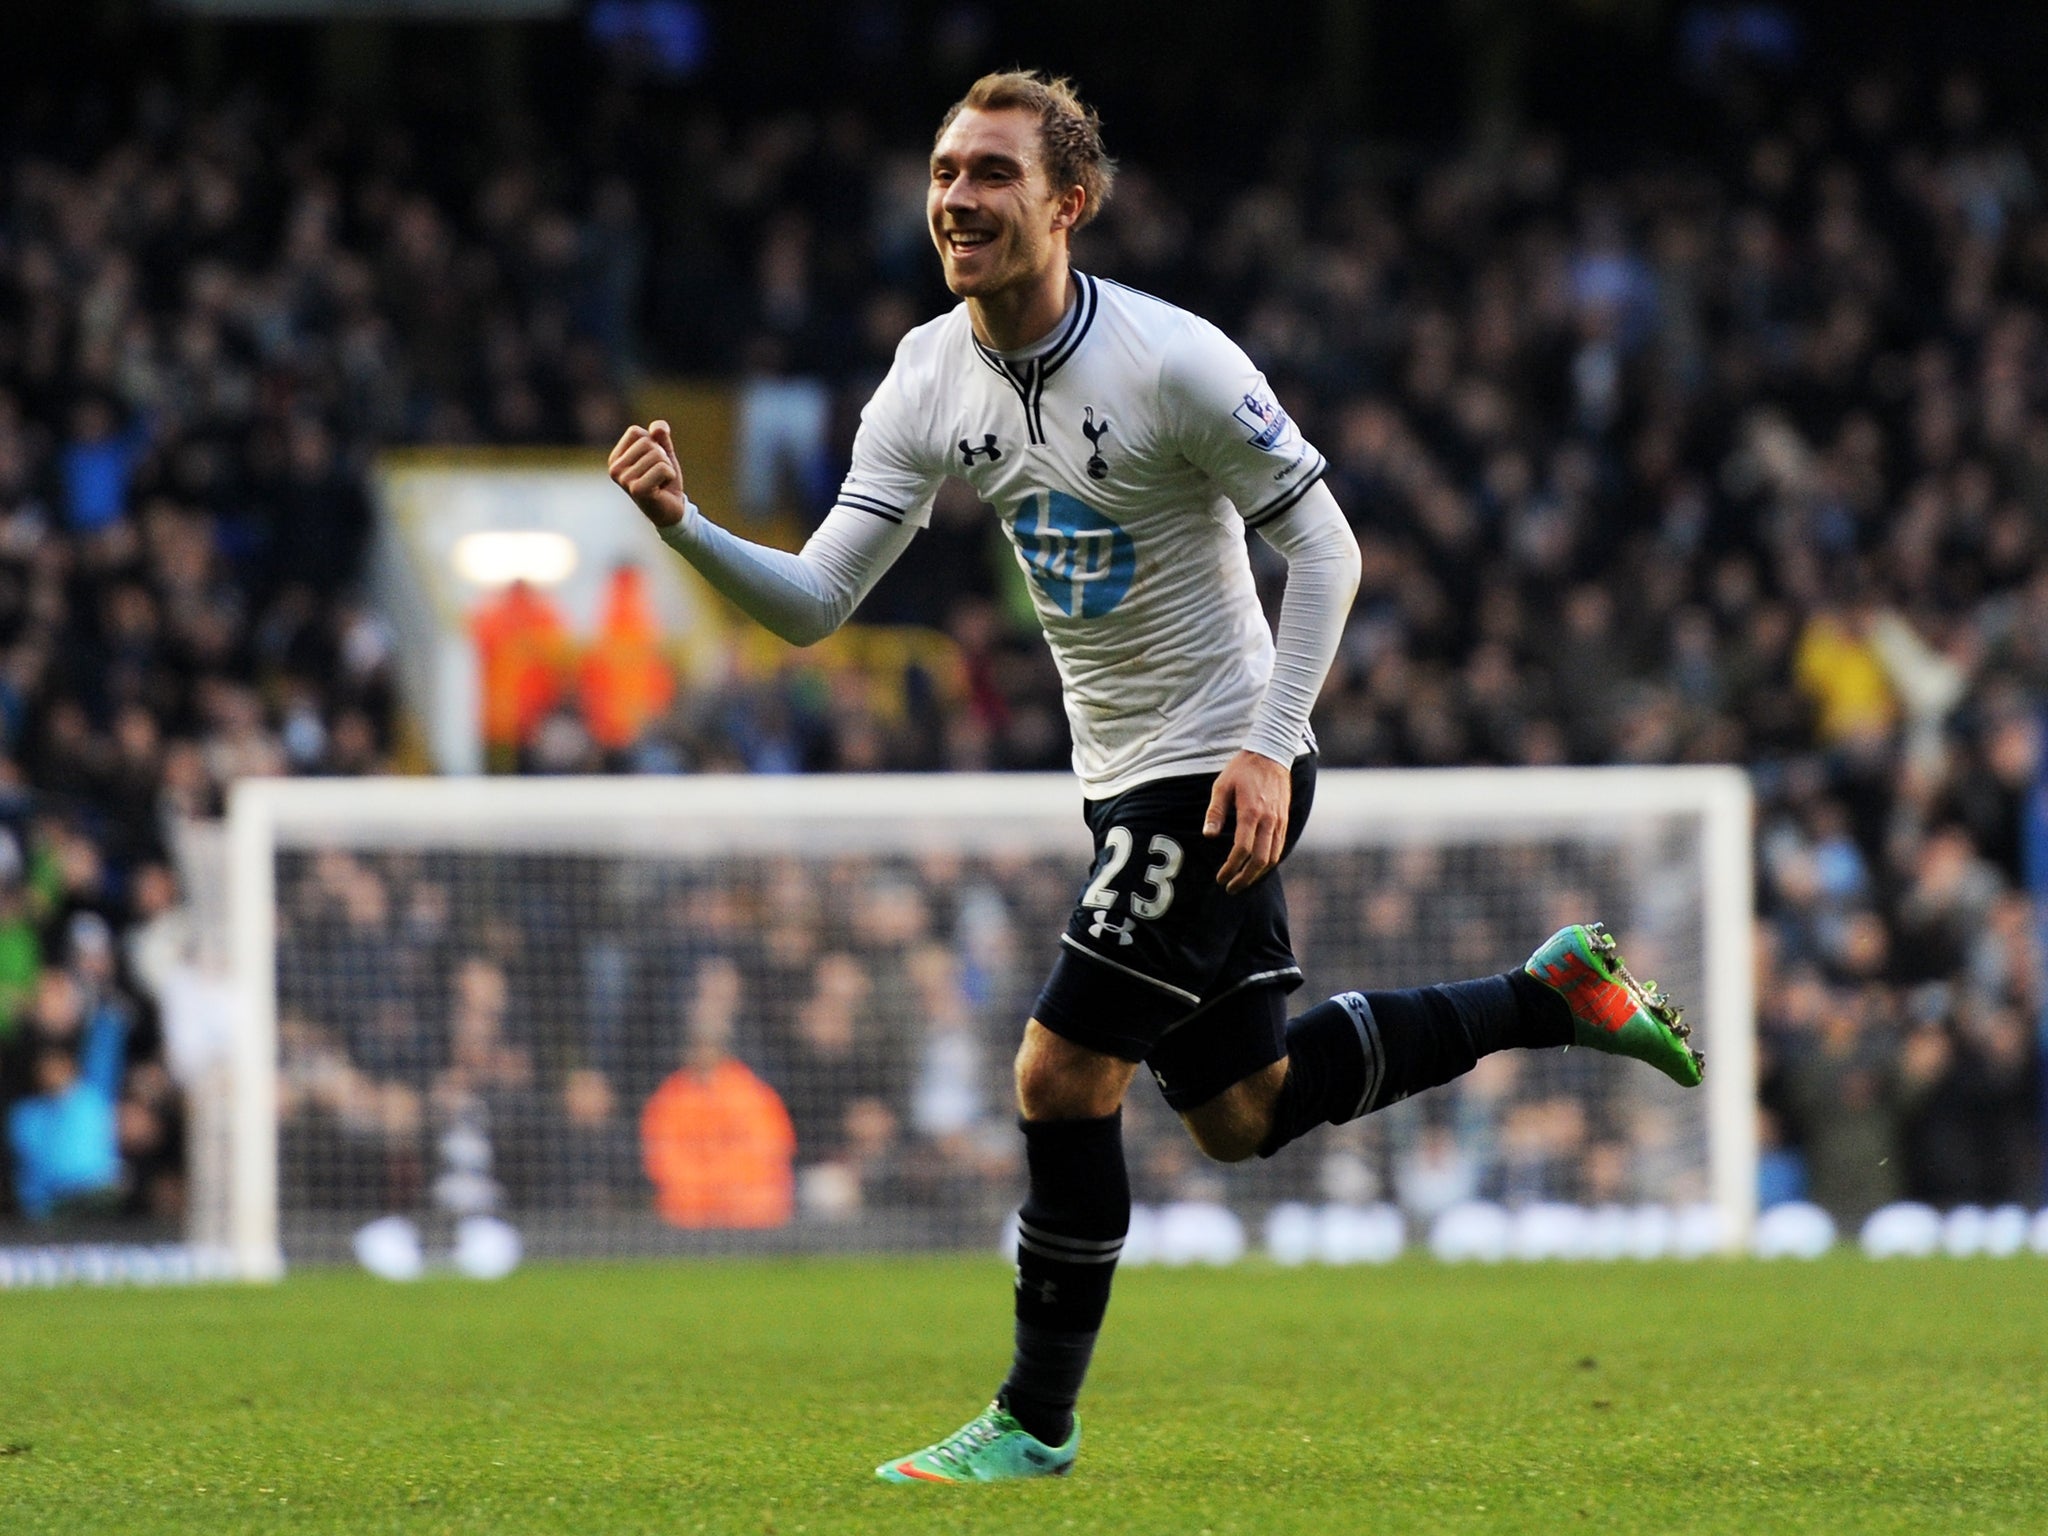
(1071, 205)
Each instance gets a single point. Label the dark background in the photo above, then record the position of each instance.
(1222, 92)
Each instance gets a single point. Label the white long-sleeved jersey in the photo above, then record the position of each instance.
(1126, 454)
(1119, 452)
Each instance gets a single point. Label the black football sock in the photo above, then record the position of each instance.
(1546, 1019)
(1362, 1051)
(1069, 1234)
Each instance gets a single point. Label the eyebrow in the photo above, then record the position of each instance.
(993, 158)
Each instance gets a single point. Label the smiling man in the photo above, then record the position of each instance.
(1127, 445)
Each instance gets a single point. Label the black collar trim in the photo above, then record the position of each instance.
(1027, 377)
(1077, 330)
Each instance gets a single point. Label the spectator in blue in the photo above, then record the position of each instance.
(99, 462)
(1780, 1170)
(65, 1137)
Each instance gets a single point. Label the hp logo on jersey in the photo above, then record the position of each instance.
(1078, 558)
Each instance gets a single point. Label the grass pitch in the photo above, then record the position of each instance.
(741, 1397)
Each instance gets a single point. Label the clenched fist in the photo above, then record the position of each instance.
(644, 466)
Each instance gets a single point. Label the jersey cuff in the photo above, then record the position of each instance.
(1266, 749)
(1286, 500)
(680, 535)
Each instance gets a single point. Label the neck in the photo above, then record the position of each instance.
(1016, 317)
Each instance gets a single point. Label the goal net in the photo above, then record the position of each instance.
(632, 1016)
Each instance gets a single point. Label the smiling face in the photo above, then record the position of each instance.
(998, 223)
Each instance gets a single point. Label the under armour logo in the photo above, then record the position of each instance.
(968, 451)
(1047, 1289)
(1098, 466)
(1102, 928)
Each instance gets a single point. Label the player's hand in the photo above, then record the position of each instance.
(1255, 792)
(645, 467)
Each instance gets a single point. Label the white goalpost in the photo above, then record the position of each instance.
(464, 997)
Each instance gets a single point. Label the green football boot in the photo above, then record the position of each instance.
(1611, 1010)
(993, 1448)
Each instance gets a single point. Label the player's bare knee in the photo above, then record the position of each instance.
(1058, 1080)
(1228, 1142)
(1042, 1092)
(1231, 1127)
(1048, 1093)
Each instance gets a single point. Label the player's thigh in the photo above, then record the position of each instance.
(1234, 1124)
(1220, 1068)
(1151, 929)
(1156, 948)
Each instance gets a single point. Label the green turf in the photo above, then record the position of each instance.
(1838, 1397)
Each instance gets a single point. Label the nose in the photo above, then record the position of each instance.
(958, 195)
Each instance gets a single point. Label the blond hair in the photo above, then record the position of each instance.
(1069, 130)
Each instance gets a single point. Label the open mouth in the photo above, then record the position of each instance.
(965, 242)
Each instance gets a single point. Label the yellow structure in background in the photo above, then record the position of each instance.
(704, 419)
(455, 525)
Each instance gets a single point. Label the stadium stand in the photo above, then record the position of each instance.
(1743, 459)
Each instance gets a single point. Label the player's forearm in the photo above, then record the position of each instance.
(1322, 578)
(802, 597)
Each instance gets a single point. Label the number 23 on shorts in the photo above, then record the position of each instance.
(1164, 861)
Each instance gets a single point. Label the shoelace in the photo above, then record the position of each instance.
(1648, 994)
(966, 1440)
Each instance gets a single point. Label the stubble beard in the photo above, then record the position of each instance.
(1010, 272)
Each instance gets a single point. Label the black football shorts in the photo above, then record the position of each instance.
(1159, 963)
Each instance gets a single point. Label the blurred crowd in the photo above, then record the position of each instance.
(1730, 454)
(1733, 452)
(829, 1036)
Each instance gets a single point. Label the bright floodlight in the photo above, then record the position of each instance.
(497, 557)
